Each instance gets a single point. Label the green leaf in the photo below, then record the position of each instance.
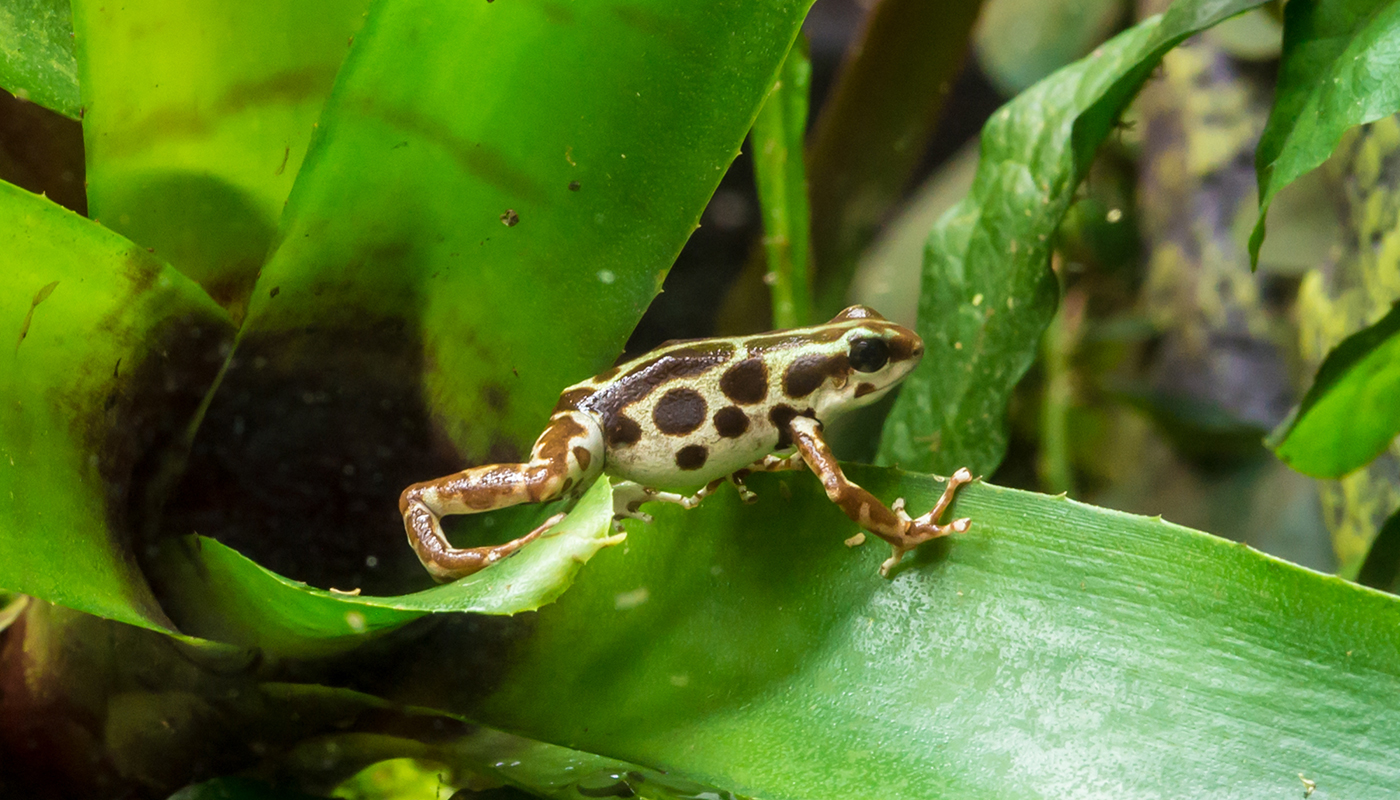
(220, 595)
(36, 54)
(110, 352)
(1338, 71)
(1055, 648)
(197, 117)
(781, 174)
(1352, 411)
(988, 293)
(515, 203)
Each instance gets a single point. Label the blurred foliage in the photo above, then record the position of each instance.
(337, 247)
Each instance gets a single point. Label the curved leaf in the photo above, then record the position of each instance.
(220, 595)
(197, 117)
(520, 209)
(1054, 649)
(1352, 410)
(988, 292)
(1338, 71)
(36, 54)
(109, 352)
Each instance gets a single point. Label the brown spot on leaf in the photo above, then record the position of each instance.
(679, 412)
(510, 219)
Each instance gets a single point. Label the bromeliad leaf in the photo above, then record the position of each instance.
(198, 114)
(111, 352)
(745, 645)
(1352, 410)
(220, 595)
(988, 293)
(36, 54)
(1338, 71)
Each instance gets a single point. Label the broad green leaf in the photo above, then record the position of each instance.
(781, 174)
(474, 228)
(218, 594)
(1338, 71)
(1055, 649)
(197, 117)
(109, 353)
(36, 54)
(988, 292)
(1352, 410)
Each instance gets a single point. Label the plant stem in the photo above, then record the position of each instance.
(782, 189)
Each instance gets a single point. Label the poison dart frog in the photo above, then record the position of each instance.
(694, 414)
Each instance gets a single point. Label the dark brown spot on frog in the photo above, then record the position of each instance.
(865, 388)
(583, 457)
(609, 374)
(641, 378)
(731, 422)
(679, 412)
(567, 485)
(569, 400)
(622, 431)
(780, 416)
(692, 456)
(804, 375)
(746, 382)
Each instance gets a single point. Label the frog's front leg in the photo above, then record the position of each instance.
(628, 497)
(891, 524)
(567, 456)
(769, 463)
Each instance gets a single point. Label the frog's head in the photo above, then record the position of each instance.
(869, 356)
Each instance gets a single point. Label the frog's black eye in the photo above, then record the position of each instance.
(869, 355)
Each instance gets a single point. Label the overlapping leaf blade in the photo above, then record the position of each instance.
(110, 352)
(987, 290)
(197, 116)
(1054, 649)
(36, 54)
(1352, 411)
(1338, 71)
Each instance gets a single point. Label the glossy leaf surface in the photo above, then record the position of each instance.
(988, 292)
(110, 351)
(1338, 71)
(197, 117)
(221, 595)
(1352, 411)
(516, 212)
(1055, 649)
(36, 54)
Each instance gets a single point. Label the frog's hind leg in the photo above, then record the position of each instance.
(566, 457)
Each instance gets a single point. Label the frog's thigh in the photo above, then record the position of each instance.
(564, 457)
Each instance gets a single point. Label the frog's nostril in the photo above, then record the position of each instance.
(918, 349)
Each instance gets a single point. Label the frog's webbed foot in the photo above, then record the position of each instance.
(918, 530)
